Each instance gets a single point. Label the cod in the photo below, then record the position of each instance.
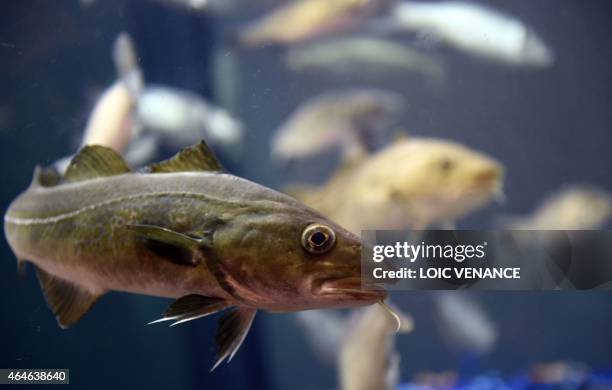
(184, 229)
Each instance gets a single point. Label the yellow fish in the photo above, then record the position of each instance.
(368, 358)
(301, 20)
(414, 183)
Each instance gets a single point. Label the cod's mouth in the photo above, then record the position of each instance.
(489, 179)
(482, 187)
(349, 288)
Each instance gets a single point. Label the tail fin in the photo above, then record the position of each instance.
(126, 63)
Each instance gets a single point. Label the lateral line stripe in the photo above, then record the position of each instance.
(71, 214)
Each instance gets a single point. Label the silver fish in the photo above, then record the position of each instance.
(571, 208)
(475, 29)
(337, 118)
(134, 119)
(463, 322)
(364, 56)
(181, 117)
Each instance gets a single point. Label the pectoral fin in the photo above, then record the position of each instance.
(177, 247)
(67, 300)
(233, 328)
(191, 307)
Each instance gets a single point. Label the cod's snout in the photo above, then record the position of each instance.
(489, 176)
(486, 176)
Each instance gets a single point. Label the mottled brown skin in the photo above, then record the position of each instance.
(79, 232)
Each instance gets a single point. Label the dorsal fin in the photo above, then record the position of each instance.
(45, 177)
(95, 161)
(198, 157)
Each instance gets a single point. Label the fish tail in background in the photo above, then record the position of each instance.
(359, 142)
(111, 122)
(141, 149)
(125, 59)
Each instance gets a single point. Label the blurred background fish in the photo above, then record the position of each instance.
(571, 208)
(214, 6)
(415, 182)
(463, 322)
(300, 20)
(368, 358)
(364, 56)
(474, 29)
(110, 123)
(347, 118)
(180, 117)
(136, 119)
(208, 6)
(559, 373)
(176, 117)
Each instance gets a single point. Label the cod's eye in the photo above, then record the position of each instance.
(318, 239)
